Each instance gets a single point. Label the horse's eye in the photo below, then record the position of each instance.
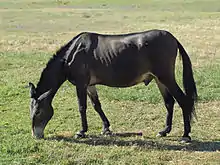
(37, 113)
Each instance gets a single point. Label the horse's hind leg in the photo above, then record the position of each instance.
(182, 100)
(93, 95)
(169, 103)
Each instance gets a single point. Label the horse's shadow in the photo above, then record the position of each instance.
(144, 143)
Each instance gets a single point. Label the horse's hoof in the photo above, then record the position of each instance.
(186, 139)
(80, 135)
(106, 132)
(161, 134)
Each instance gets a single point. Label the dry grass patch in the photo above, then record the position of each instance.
(45, 30)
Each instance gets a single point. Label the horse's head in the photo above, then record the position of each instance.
(41, 111)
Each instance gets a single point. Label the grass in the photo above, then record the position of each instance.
(31, 31)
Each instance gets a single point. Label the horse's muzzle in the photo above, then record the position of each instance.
(38, 132)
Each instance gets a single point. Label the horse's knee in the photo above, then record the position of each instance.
(82, 109)
(169, 102)
(97, 106)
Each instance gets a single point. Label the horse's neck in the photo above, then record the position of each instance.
(51, 79)
(42, 90)
(54, 74)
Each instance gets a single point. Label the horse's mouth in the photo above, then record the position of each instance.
(38, 132)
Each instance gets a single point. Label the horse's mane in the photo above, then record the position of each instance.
(60, 53)
(57, 56)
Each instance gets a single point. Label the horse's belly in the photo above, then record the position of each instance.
(123, 81)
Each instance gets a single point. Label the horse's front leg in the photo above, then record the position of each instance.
(82, 102)
(93, 95)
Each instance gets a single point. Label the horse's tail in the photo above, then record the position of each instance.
(188, 80)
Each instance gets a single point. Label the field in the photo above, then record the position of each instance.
(31, 32)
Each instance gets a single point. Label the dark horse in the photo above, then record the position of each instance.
(115, 61)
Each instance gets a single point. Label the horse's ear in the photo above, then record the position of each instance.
(32, 89)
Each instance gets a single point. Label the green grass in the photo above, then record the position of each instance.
(31, 31)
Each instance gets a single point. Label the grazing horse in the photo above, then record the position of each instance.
(115, 61)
